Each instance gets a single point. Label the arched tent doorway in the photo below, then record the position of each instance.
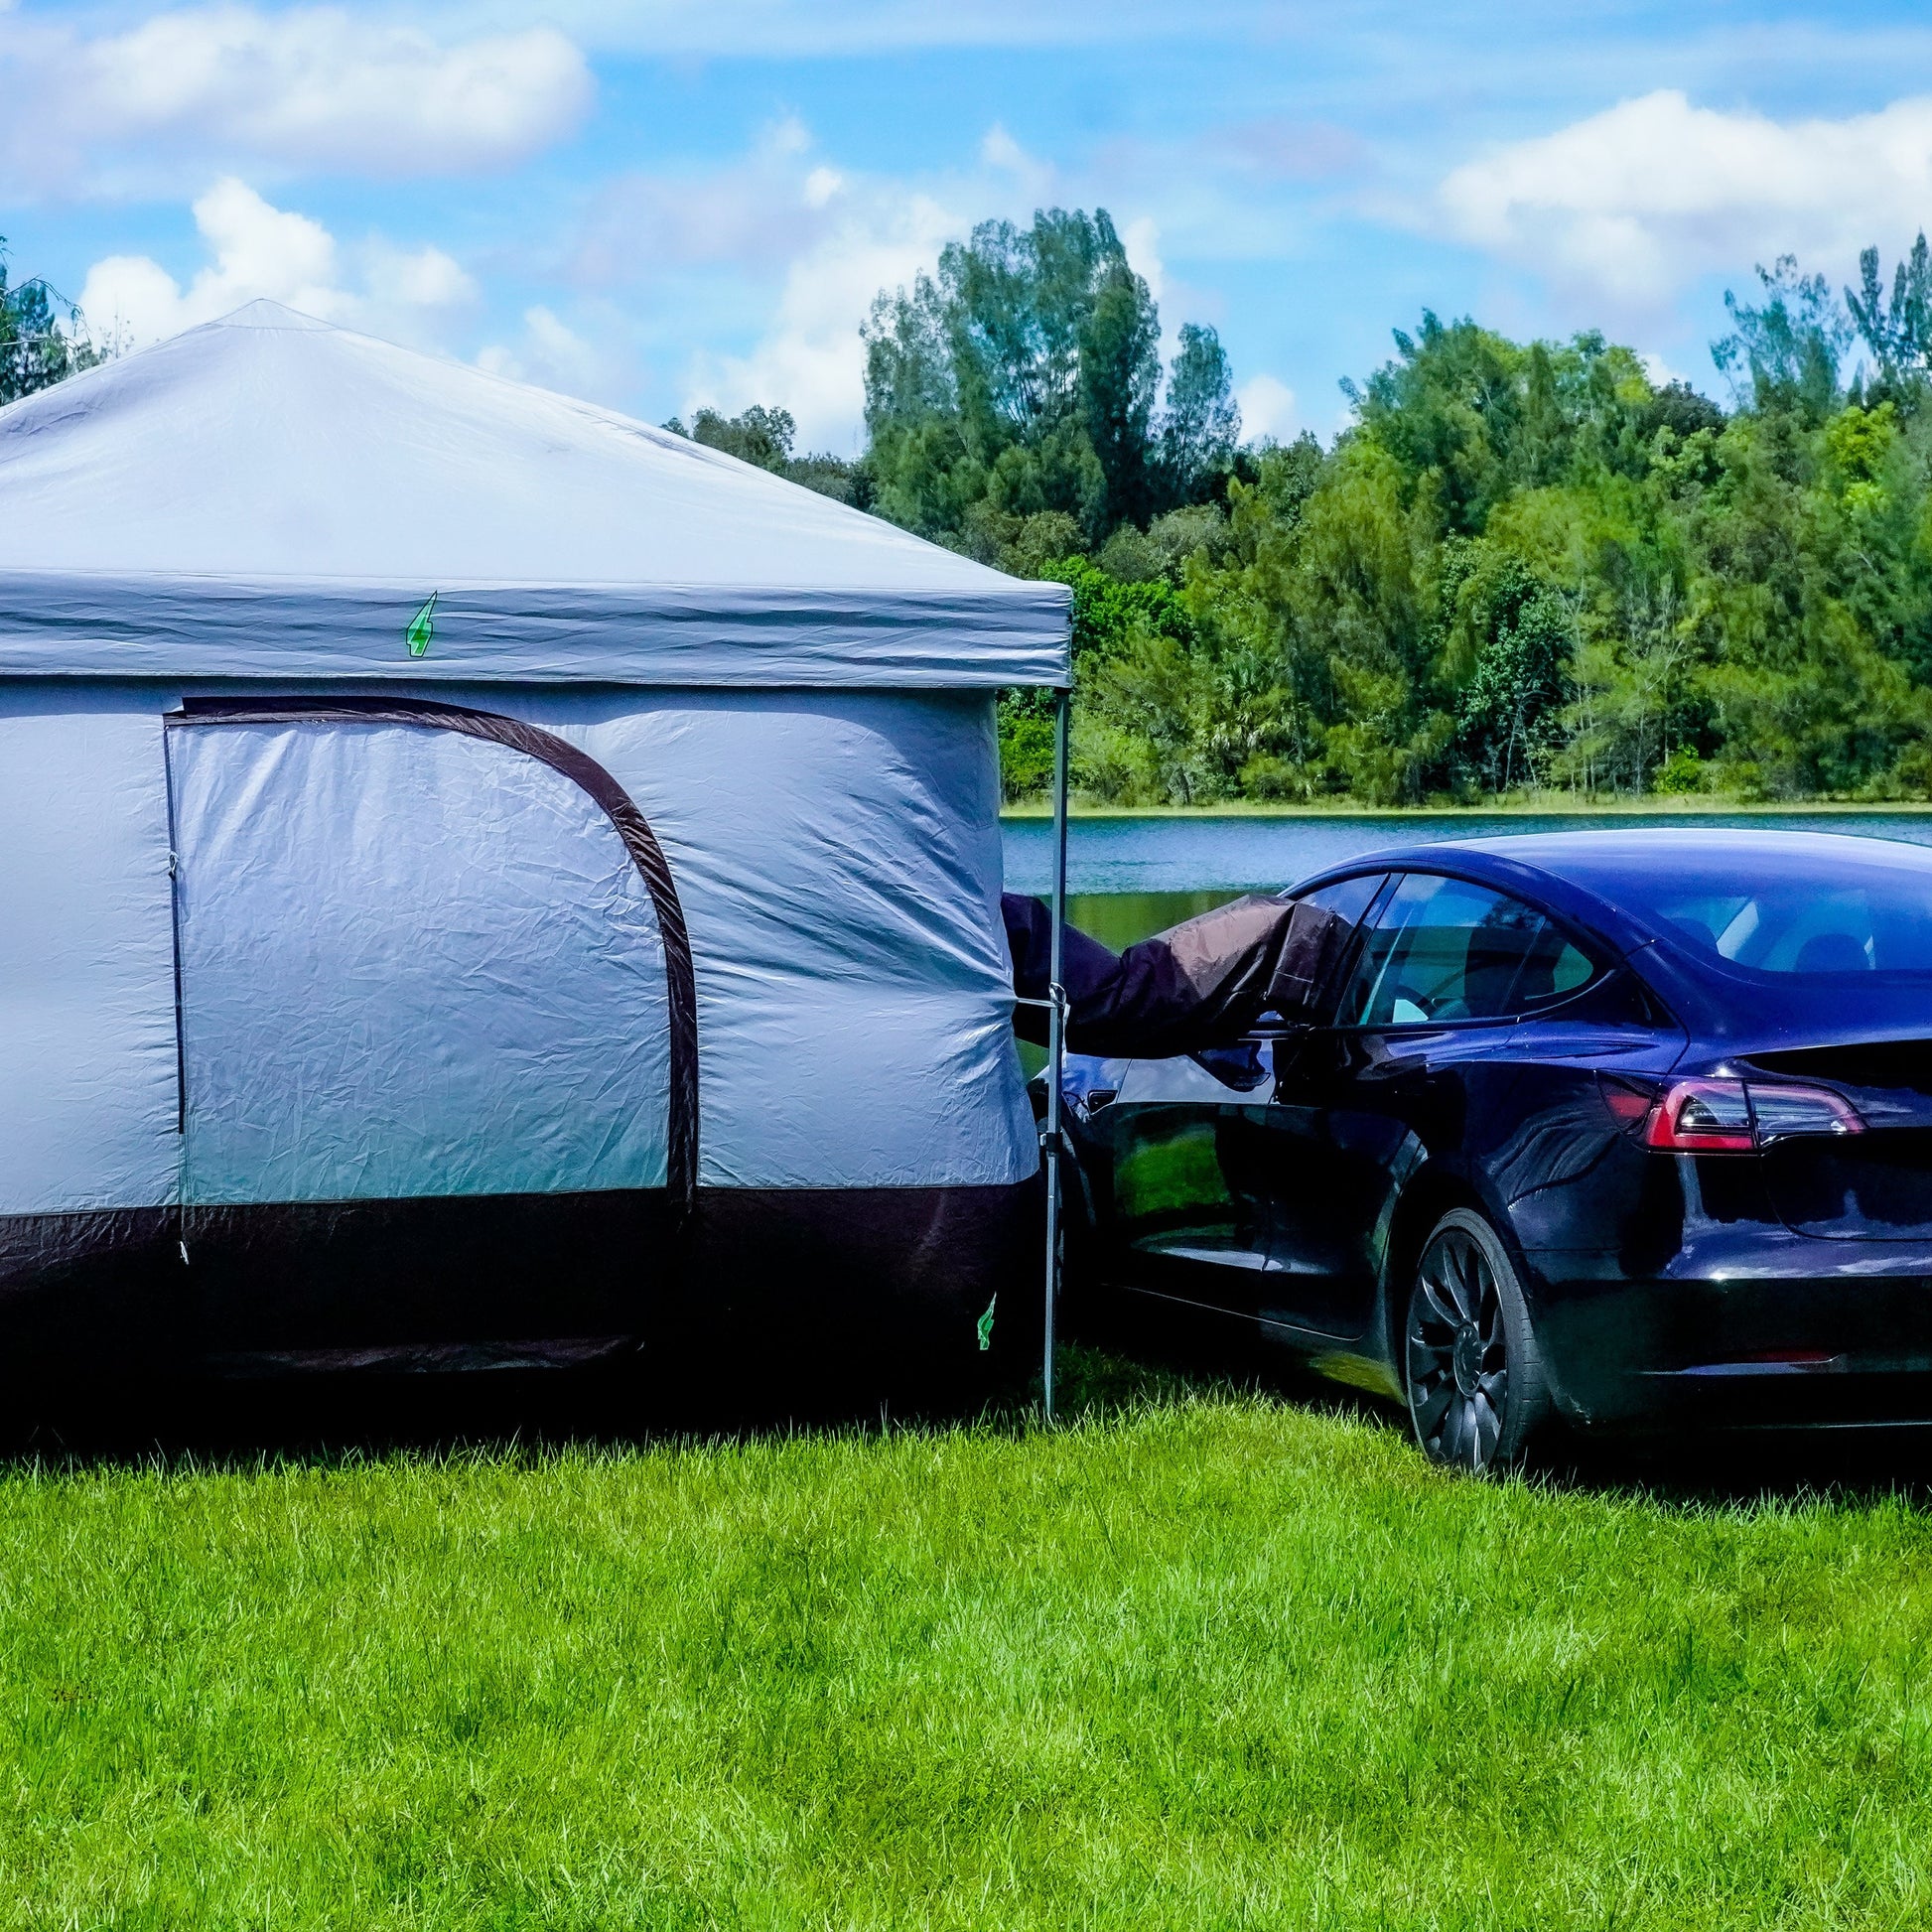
(438, 1031)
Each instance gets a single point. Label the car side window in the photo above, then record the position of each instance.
(1346, 898)
(1441, 949)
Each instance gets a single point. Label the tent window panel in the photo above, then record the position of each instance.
(86, 975)
(414, 963)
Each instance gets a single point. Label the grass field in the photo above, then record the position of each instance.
(1199, 1658)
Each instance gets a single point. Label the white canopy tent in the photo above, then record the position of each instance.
(415, 782)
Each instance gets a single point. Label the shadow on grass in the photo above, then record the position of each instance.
(1682, 1470)
(191, 1420)
(1107, 1374)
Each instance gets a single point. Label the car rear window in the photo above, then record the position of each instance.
(1811, 921)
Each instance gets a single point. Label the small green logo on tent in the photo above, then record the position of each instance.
(422, 627)
(986, 1325)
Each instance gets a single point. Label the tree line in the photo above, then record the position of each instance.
(1522, 568)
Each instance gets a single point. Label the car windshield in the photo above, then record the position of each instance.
(1799, 910)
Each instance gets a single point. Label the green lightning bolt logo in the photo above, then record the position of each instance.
(422, 627)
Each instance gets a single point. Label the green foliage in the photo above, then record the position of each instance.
(1194, 1658)
(1899, 335)
(764, 437)
(42, 337)
(1528, 567)
(1788, 346)
(1024, 381)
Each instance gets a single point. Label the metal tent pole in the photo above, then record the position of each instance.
(1055, 1045)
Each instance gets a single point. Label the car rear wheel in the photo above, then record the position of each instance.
(1477, 1390)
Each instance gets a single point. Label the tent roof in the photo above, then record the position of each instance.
(269, 497)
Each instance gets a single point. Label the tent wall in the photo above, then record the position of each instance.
(838, 859)
(838, 856)
(87, 1067)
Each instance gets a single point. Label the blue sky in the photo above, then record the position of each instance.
(684, 201)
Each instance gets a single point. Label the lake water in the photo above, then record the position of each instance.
(1129, 875)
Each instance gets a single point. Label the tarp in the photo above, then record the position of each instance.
(268, 496)
(1197, 986)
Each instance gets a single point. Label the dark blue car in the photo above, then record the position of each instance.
(1627, 1128)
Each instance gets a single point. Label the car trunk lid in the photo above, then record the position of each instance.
(1870, 1186)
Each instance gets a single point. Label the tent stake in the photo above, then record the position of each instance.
(1056, 1047)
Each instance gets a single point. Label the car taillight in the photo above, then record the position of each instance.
(1741, 1116)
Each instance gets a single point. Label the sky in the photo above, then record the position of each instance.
(674, 204)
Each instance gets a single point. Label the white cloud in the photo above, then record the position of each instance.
(810, 361)
(425, 278)
(755, 212)
(777, 257)
(1142, 239)
(1634, 203)
(262, 250)
(1267, 409)
(551, 355)
(1000, 150)
(1026, 173)
(767, 28)
(313, 87)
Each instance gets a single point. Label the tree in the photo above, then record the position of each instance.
(1202, 423)
(764, 437)
(1022, 380)
(1784, 351)
(1899, 336)
(1523, 565)
(42, 337)
(758, 436)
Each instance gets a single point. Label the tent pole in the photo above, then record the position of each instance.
(1056, 1047)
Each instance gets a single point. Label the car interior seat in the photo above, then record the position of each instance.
(1832, 953)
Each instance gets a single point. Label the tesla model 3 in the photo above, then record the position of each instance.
(1625, 1128)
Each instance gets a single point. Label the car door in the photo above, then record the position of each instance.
(1196, 1160)
(1423, 1019)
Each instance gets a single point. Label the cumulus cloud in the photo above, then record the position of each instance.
(1030, 177)
(1634, 203)
(1142, 239)
(777, 256)
(314, 87)
(809, 360)
(261, 251)
(782, 234)
(754, 213)
(1267, 409)
(550, 354)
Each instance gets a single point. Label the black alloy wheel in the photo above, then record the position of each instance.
(1477, 1388)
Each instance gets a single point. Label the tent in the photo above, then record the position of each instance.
(488, 880)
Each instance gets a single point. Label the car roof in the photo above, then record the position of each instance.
(1600, 881)
(1581, 872)
(1600, 857)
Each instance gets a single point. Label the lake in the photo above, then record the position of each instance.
(1130, 874)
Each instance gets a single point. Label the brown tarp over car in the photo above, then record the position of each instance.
(1199, 985)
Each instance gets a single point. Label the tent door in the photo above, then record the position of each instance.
(427, 1041)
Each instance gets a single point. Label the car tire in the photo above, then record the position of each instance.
(1478, 1392)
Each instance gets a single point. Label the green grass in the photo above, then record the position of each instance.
(1199, 1658)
